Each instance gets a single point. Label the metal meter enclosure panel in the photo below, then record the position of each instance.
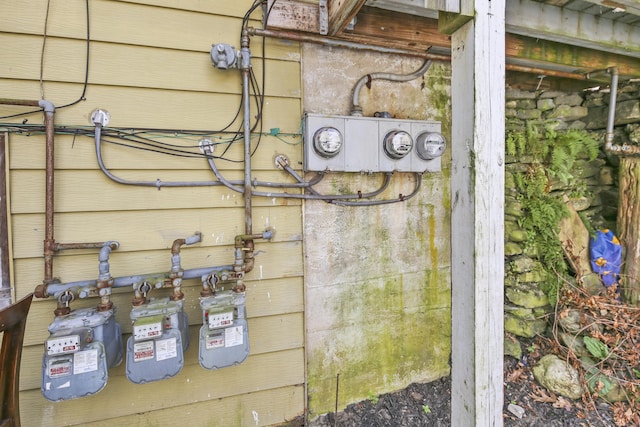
(81, 348)
(360, 145)
(313, 160)
(388, 164)
(417, 163)
(224, 336)
(160, 336)
(363, 147)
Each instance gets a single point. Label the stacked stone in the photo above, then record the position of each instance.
(526, 305)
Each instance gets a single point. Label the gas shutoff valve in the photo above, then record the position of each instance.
(224, 337)
(81, 348)
(155, 350)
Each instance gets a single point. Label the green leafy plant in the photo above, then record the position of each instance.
(373, 398)
(596, 347)
(426, 409)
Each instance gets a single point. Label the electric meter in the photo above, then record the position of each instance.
(81, 348)
(155, 349)
(430, 145)
(327, 141)
(397, 144)
(224, 338)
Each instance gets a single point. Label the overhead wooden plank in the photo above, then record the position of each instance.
(538, 20)
(341, 12)
(452, 6)
(477, 217)
(619, 6)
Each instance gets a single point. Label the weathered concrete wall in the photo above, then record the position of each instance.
(377, 279)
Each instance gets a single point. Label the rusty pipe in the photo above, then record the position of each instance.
(49, 242)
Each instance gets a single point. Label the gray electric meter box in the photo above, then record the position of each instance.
(155, 349)
(81, 348)
(371, 144)
(224, 337)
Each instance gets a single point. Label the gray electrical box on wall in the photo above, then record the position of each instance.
(371, 144)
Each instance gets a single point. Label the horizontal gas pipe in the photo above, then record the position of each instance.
(311, 38)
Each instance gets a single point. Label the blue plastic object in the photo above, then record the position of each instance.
(606, 256)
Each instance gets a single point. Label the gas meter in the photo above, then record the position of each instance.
(224, 337)
(81, 348)
(160, 337)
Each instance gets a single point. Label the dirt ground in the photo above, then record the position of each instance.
(429, 405)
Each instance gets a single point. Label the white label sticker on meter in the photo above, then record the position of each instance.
(85, 361)
(146, 331)
(59, 367)
(233, 336)
(218, 320)
(143, 351)
(166, 349)
(215, 340)
(63, 345)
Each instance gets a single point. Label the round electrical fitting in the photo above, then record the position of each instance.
(397, 144)
(327, 141)
(430, 145)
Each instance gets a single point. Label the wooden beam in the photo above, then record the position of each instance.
(628, 6)
(396, 30)
(341, 12)
(545, 21)
(477, 217)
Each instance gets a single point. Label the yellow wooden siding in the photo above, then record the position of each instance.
(150, 68)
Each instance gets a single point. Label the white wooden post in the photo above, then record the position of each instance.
(477, 217)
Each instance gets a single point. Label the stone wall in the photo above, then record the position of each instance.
(592, 189)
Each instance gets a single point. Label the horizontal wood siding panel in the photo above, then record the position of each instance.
(192, 385)
(148, 67)
(137, 233)
(149, 108)
(188, 29)
(78, 152)
(263, 408)
(273, 260)
(93, 192)
(271, 297)
(266, 335)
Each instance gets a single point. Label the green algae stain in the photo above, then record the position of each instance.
(388, 336)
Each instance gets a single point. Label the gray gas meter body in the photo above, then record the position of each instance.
(370, 144)
(81, 348)
(155, 349)
(224, 337)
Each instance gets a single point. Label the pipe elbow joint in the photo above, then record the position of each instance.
(47, 106)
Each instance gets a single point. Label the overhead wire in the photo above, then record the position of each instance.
(82, 96)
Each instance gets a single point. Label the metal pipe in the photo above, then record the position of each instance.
(82, 245)
(5, 277)
(86, 288)
(49, 241)
(611, 118)
(309, 38)
(245, 65)
(356, 109)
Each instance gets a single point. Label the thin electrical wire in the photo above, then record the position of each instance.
(44, 44)
(86, 72)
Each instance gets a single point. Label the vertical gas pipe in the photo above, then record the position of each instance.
(245, 65)
(49, 241)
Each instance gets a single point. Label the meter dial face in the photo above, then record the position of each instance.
(397, 144)
(327, 141)
(430, 145)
